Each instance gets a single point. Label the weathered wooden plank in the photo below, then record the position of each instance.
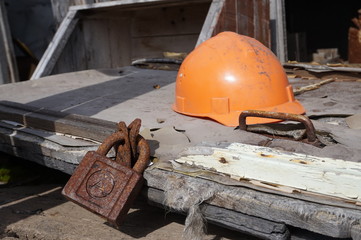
(60, 9)
(278, 29)
(327, 176)
(319, 218)
(17, 142)
(72, 62)
(8, 67)
(53, 121)
(262, 21)
(356, 232)
(56, 46)
(155, 46)
(230, 219)
(96, 37)
(119, 41)
(227, 20)
(124, 3)
(175, 20)
(246, 17)
(211, 20)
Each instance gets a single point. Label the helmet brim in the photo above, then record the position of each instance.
(232, 119)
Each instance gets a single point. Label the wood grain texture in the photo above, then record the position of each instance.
(40, 150)
(246, 17)
(56, 46)
(211, 21)
(230, 219)
(112, 34)
(318, 218)
(53, 121)
(333, 177)
(8, 67)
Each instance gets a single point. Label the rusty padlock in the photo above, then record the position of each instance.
(104, 186)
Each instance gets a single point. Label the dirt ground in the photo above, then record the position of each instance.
(32, 207)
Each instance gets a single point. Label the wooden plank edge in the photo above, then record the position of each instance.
(228, 218)
(10, 68)
(56, 46)
(211, 20)
(326, 176)
(40, 150)
(127, 3)
(263, 187)
(53, 121)
(318, 218)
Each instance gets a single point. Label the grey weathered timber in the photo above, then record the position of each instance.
(230, 219)
(53, 121)
(8, 67)
(56, 46)
(34, 145)
(211, 20)
(112, 34)
(278, 29)
(322, 219)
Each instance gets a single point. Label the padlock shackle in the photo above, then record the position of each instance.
(124, 152)
(110, 141)
(143, 155)
(141, 147)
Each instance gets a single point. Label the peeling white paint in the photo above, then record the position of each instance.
(326, 176)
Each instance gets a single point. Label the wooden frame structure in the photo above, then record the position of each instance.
(112, 34)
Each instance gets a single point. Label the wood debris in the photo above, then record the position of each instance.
(314, 86)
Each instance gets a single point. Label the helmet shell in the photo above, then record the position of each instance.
(230, 73)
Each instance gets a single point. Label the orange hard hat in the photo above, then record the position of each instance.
(230, 73)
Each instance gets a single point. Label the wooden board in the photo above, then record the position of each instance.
(322, 219)
(247, 17)
(126, 93)
(333, 177)
(8, 67)
(258, 227)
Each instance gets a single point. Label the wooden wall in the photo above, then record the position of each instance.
(113, 38)
(112, 34)
(247, 17)
(60, 7)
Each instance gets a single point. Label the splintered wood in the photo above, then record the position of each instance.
(326, 176)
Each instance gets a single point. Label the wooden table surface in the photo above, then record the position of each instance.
(128, 93)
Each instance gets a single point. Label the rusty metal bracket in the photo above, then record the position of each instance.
(310, 129)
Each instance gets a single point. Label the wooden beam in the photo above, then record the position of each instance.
(233, 220)
(39, 118)
(278, 29)
(56, 46)
(124, 3)
(319, 218)
(8, 67)
(34, 145)
(211, 20)
(332, 177)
